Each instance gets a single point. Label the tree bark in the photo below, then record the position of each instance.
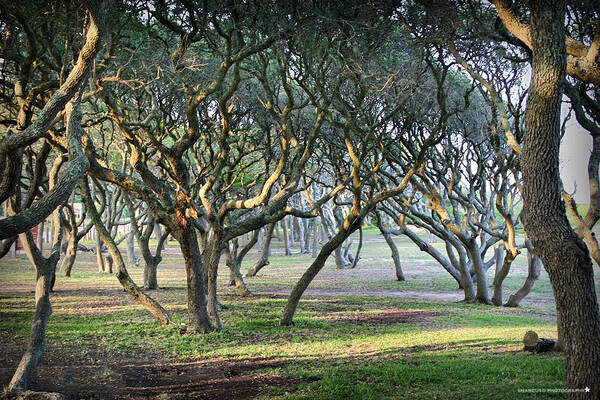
(131, 258)
(69, 260)
(286, 241)
(534, 266)
(45, 276)
(563, 254)
(482, 295)
(125, 280)
(395, 254)
(7, 245)
(447, 265)
(234, 262)
(264, 256)
(99, 258)
(211, 257)
(45, 273)
(593, 213)
(501, 274)
(70, 89)
(198, 319)
(313, 270)
(236, 276)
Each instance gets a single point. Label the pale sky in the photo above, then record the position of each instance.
(575, 150)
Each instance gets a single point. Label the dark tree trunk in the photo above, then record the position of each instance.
(45, 270)
(7, 245)
(313, 270)
(563, 254)
(67, 264)
(198, 319)
(45, 275)
(150, 273)
(593, 213)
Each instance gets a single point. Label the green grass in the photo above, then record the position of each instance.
(460, 351)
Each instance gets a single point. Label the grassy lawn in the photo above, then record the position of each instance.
(358, 334)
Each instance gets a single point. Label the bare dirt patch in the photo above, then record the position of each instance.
(139, 374)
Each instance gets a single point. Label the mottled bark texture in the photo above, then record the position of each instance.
(210, 259)
(45, 271)
(197, 302)
(78, 164)
(564, 255)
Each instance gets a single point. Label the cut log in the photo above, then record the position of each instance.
(533, 343)
(31, 395)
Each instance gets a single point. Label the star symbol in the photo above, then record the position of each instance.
(587, 389)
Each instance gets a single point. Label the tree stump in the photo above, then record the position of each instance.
(533, 343)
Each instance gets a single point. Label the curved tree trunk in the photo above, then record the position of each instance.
(395, 254)
(234, 262)
(359, 248)
(236, 277)
(6, 245)
(534, 265)
(501, 274)
(447, 265)
(264, 256)
(563, 254)
(69, 260)
(122, 275)
(238, 281)
(313, 270)
(45, 270)
(482, 295)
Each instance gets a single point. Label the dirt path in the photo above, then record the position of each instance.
(140, 374)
